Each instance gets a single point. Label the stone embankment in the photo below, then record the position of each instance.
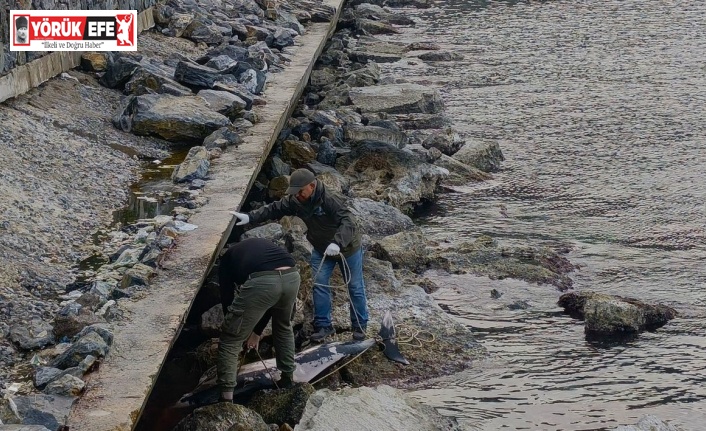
(225, 87)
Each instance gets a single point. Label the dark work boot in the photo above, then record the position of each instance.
(359, 333)
(286, 381)
(321, 333)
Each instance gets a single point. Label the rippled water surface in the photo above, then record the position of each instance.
(600, 110)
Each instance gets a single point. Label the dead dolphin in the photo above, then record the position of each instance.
(310, 364)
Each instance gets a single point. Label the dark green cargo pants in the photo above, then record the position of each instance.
(267, 290)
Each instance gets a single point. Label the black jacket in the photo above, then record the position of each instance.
(326, 216)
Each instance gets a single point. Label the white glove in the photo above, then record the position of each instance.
(332, 250)
(242, 217)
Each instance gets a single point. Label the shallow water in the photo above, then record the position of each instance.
(598, 108)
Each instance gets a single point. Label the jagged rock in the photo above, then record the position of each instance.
(277, 168)
(648, 423)
(176, 119)
(327, 153)
(385, 173)
(223, 138)
(379, 219)
(149, 79)
(441, 56)
(448, 141)
(211, 321)
(459, 172)
(94, 61)
(66, 385)
(253, 80)
(375, 27)
(271, 231)
(283, 405)
(199, 31)
(68, 325)
(90, 344)
(485, 156)
(375, 12)
(222, 416)
(101, 329)
(484, 257)
(359, 409)
(44, 375)
(359, 133)
(43, 410)
(297, 153)
(224, 102)
(397, 99)
(138, 275)
(277, 187)
(194, 166)
(119, 71)
(195, 75)
(35, 334)
(404, 250)
(609, 315)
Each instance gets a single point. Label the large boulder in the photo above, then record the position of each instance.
(610, 316)
(370, 409)
(222, 417)
(485, 156)
(397, 99)
(187, 119)
(386, 173)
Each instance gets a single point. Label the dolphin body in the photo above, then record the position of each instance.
(310, 363)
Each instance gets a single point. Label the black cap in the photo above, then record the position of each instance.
(21, 21)
(299, 179)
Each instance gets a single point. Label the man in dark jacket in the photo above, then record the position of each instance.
(268, 283)
(332, 230)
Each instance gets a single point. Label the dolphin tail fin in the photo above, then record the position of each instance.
(389, 339)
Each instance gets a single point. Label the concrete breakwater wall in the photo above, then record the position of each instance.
(20, 71)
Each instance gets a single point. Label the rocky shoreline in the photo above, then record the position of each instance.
(381, 141)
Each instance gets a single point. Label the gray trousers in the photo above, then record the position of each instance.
(267, 290)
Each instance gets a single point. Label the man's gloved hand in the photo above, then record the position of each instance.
(242, 217)
(333, 249)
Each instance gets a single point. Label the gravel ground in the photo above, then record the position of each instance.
(64, 170)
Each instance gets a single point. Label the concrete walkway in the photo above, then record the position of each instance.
(117, 393)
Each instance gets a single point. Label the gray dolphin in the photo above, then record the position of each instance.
(310, 364)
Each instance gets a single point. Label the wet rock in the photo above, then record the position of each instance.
(195, 166)
(90, 344)
(441, 56)
(375, 12)
(224, 103)
(448, 141)
(397, 99)
(648, 423)
(32, 335)
(484, 257)
(283, 405)
(66, 385)
(459, 172)
(176, 119)
(614, 316)
(485, 156)
(222, 416)
(359, 409)
(379, 219)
